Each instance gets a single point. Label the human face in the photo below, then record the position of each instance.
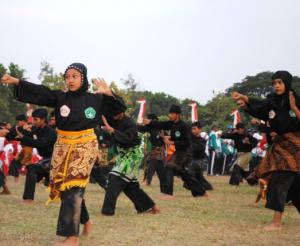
(278, 86)
(73, 79)
(173, 117)
(196, 131)
(38, 122)
(240, 131)
(21, 123)
(52, 121)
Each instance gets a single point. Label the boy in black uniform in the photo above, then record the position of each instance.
(178, 164)
(199, 155)
(15, 165)
(42, 138)
(244, 143)
(124, 175)
(157, 155)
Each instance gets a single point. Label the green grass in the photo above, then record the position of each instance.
(225, 218)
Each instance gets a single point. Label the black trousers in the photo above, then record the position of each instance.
(237, 175)
(178, 165)
(283, 187)
(154, 166)
(14, 168)
(35, 173)
(2, 179)
(72, 213)
(100, 175)
(190, 182)
(142, 202)
(197, 171)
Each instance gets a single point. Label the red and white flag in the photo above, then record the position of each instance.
(29, 112)
(142, 110)
(236, 118)
(194, 112)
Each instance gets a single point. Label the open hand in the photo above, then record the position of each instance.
(102, 87)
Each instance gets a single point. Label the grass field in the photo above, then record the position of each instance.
(225, 218)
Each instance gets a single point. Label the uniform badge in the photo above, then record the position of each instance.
(272, 114)
(64, 111)
(292, 113)
(90, 113)
(177, 134)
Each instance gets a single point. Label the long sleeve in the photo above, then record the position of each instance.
(44, 143)
(36, 94)
(126, 134)
(39, 143)
(228, 136)
(213, 142)
(163, 125)
(258, 108)
(253, 142)
(112, 105)
(144, 129)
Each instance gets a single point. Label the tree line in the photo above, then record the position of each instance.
(215, 112)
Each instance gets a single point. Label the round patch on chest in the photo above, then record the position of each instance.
(177, 134)
(64, 111)
(90, 113)
(272, 114)
(292, 113)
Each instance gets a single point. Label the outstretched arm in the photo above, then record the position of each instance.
(31, 93)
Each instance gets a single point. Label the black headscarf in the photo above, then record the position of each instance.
(282, 101)
(83, 72)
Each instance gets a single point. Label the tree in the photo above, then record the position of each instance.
(50, 79)
(9, 106)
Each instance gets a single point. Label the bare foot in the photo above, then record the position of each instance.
(272, 227)
(87, 229)
(166, 197)
(69, 241)
(205, 195)
(256, 205)
(5, 192)
(28, 201)
(154, 210)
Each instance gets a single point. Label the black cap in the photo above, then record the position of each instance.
(175, 109)
(240, 126)
(21, 117)
(196, 124)
(40, 113)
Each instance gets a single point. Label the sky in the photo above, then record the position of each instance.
(186, 48)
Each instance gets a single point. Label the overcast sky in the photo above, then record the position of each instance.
(182, 47)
